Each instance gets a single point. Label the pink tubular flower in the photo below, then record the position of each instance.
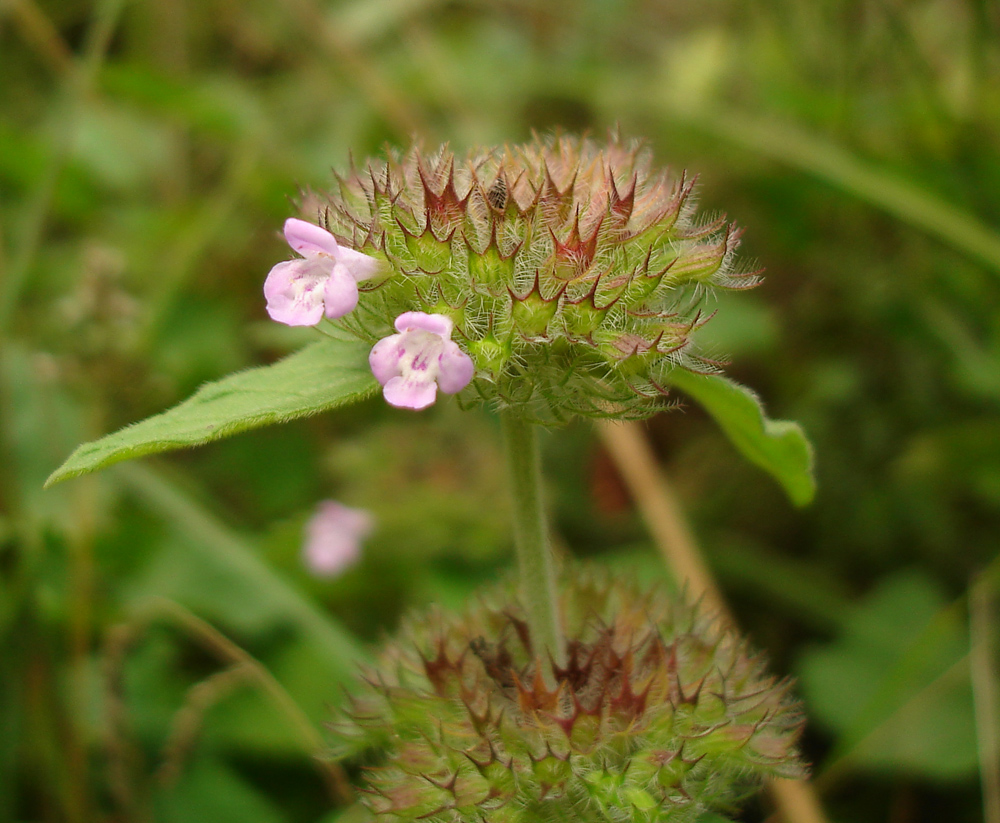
(333, 538)
(414, 364)
(325, 281)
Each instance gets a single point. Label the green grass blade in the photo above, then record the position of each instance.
(234, 553)
(65, 111)
(893, 194)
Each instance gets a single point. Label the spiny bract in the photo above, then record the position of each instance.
(657, 715)
(573, 271)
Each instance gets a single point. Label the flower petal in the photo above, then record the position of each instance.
(418, 320)
(384, 358)
(410, 394)
(361, 266)
(294, 292)
(357, 521)
(340, 293)
(456, 369)
(333, 538)
(331, 544)
(307, 238)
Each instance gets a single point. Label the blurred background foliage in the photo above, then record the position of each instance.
(148, 151)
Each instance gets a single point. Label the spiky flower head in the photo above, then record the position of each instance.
(573, 272)
(658, 715)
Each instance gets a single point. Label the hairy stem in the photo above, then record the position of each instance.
(534, 554)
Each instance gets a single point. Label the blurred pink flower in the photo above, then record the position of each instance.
(324, 281)
(422, 358)
(333, 538)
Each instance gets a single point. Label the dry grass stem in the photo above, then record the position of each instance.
(661, 511)
(124, 763)
(246, 665)
(38, 31)
(189, 720)
(796, 800)
(984, 652)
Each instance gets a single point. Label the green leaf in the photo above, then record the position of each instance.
(211, 789)
(322, 376)
(780, 447)
(905, 199)
(895, 684)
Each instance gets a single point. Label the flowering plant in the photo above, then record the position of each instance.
(573, 273)
(556, 279)
(548, 280)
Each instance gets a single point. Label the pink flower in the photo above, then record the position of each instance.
(325, 281)
(414, 364)
(333, 538)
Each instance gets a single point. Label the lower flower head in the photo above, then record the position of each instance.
(657, 716)
(324, 281)
(413, 364)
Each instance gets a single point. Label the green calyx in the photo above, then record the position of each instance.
(568, 256)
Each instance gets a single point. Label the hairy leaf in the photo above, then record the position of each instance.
(322, 376)
(780, 447)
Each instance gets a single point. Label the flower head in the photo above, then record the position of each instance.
(413, 364)
(333, 538)
(657, 716)
(575, 272)
(323, 281)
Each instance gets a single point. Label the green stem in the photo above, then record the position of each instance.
(534, 554)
